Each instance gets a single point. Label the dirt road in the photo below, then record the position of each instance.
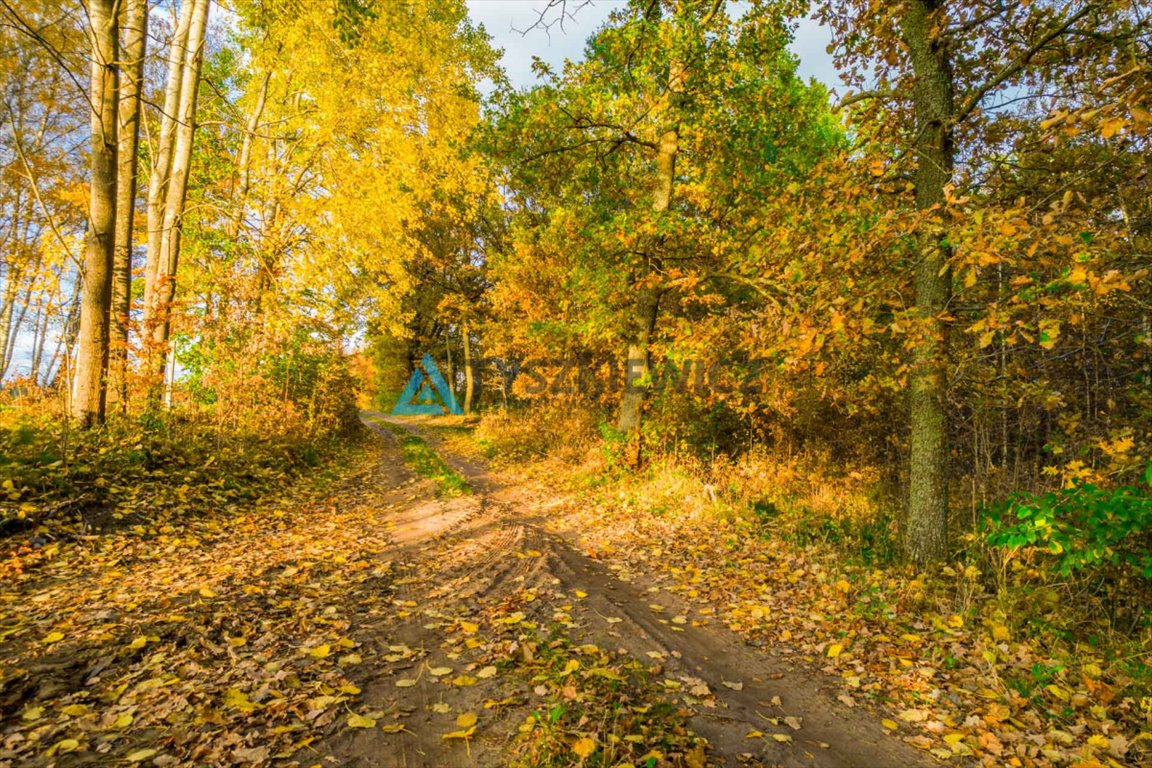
(461, 556)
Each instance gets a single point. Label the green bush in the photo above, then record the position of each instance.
(1081, 529)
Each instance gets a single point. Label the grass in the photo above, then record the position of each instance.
(427, 463)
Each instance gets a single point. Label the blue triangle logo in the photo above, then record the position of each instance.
(426, 392)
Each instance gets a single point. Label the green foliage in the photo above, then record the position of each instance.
(1083, 528)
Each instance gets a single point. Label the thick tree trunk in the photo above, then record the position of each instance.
(164, 291)
(132, 77)
(638, 365)
(162, 159)
(88, 397)
(926, 531)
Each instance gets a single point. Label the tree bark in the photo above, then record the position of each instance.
(89, 392)
(926, 530)
(469, 376)
(135, 42)
(164, 290)
(638, 365)
(162, 159)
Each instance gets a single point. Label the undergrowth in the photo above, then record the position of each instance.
(55, 479)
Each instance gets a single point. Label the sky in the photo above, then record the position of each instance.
(511, 25)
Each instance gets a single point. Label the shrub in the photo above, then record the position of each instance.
(1084, 528)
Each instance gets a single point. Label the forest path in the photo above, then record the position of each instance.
(495, 548)
(376, 620)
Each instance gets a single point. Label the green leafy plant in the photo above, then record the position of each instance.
(1081, 528)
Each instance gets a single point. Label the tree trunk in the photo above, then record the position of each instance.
(6, 331)
(164, 291)
(469, 376)
(66, 340)
(39, 333)
(926, 532)
(135, 37)
(162, 159)
(643, 322)
(88, 398)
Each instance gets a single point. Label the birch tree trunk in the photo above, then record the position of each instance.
(88, 397)
(162, 159)
(132, 76)
(926, 530)
(469, 374)
(164, 290)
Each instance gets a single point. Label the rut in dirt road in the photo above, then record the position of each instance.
(459, 560)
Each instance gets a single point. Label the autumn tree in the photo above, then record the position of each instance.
(932, 78)
(134, 43)
(89, 394)
(668, 98)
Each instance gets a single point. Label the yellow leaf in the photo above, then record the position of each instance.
(405, 683)
(64, 745)
(891, 725)
(459, 734)
(584, 747)
(138, 643)
(139, 755)
(54, 637)
(466, 719)
(320, 651)
(754, 735)
(469, 628)
(392, 727)
(207, 592)
(783, 738)
(486, 673)
(359, 721)
(464, 681)
(75, 710)
(440, 671)
(441, 707)
(123, 721)
(1111, 127)
(835, 650)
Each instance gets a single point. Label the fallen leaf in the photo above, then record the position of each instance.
(359, 721)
